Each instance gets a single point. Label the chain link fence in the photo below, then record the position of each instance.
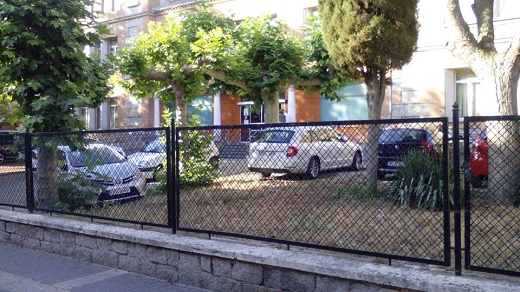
(492, 194)
(96, 174)
(320, 185)
(379, 188)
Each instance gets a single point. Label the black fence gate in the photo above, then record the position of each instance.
(492, 194)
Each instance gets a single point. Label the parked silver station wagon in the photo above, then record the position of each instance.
(305, 150)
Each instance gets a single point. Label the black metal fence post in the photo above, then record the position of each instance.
(29, 187)
(456, 190)
(171, 183)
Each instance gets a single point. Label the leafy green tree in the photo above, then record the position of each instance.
(269, 59)
(44, 70)
(498, 72)
(167, 61)
(366, 39)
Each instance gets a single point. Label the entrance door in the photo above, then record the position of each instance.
(249, 116)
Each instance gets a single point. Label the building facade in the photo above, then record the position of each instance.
(426, 87)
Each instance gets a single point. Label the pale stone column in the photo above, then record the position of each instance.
(291, 105)
(156, 112)
(104, 112)
(217, 115)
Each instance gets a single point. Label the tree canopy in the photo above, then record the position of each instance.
(366, 39)
(42, 64)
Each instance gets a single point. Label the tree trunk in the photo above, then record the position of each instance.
(499, 98)
(375, 83)
(271, 105)
(46, 191)
(181, 108)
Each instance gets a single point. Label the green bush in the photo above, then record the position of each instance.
(76, 191)
(419, 182)
(195, 167)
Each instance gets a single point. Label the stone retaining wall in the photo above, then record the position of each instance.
(219, 264)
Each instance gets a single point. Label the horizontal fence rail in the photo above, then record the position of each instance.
(492, 194)
(337, 186)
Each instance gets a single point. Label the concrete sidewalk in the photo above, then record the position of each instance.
(30, 270)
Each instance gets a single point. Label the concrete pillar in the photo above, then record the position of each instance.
(291, 105)
(156, 112)
(104, 119)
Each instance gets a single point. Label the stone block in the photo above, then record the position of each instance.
(248, 273)
(128, 263)
(15, 239)
(137, 250)
(147, 268)
(67, 250)
(10, 227)
(289, 280)
(205, 264)
(86, 241)
(4, 236)
(189, 270)
(214, 283)
(104, 243)
(104, 257)
(83, 254)
(120, 247)
(31, 243)
(51, 235)
(2, 226)
(67, 239)
(156, 255)
(36, 233)
(50, 247)
(332, 284)
(222, 268)
(173, 257)
(167, 273)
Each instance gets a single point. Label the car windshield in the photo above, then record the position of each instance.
(155, 147)
(274, 136)
(399, 135)
(93, 156)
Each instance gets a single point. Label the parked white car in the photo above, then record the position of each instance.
(151, 158)
(105, 166)
(307, 150)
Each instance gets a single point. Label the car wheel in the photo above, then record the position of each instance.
(313, 169)
(357, 162)
(2, 158)
(265, 174)
(214, 162)
(476, 181)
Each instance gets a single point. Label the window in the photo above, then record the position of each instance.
(84, 115)
(113, 114)
(308, 12)
(112, 46)
(467, 90)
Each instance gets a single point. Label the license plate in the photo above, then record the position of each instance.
(119, 191)
(395, 163)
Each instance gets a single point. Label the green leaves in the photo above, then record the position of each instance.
(44, 69)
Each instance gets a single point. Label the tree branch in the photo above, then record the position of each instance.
(461, 41)
(224, 78)
(156, 76)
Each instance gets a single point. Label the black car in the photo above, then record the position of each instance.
(395, 143)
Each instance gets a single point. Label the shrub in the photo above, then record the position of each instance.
(419, 182)
(76, 191)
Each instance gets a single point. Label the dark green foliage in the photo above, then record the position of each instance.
(195, 168)
(419, 182)
(380, 34)
(76, 191)
(42, 64)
